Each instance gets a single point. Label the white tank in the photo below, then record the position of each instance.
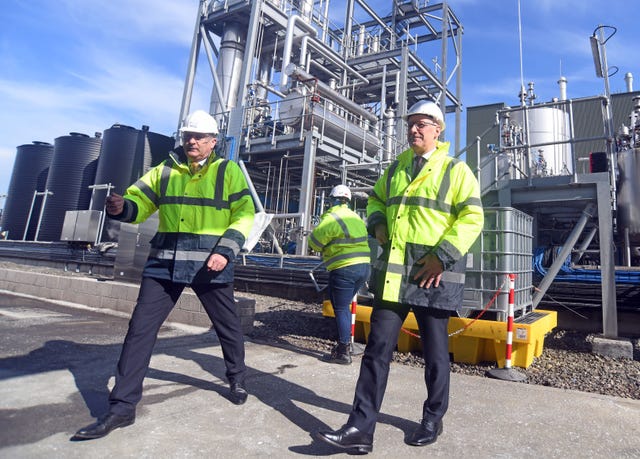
(546, 125)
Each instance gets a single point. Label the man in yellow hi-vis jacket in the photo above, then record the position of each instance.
(426, 213)
(341, 237)
(205, 214)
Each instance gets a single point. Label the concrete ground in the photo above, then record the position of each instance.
(57, 362)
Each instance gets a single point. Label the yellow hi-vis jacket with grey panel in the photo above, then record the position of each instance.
(341, 237)
(208, 212)
(438, 212)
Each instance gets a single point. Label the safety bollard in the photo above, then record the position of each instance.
(507, 373)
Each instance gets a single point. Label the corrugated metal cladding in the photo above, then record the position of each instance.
(72, 171)
(30, 171)
(126, 154)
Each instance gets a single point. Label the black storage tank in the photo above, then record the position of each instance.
(72, 171)
(126, 154)
(29, 175)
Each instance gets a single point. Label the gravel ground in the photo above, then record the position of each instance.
(566, 361)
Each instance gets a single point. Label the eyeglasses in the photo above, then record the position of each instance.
(195, 136)
(422, 124)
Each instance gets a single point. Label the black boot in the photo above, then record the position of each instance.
(341, 354)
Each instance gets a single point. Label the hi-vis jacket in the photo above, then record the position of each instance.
(341, 237)
(438, 212)
(208, 212)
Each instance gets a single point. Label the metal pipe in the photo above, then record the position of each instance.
(328, 54)
(191, 69)
(568, 245)
(258, 204)
(216, 81)
(45, 193)
(585, 244)
(288, 45)
(326, 91)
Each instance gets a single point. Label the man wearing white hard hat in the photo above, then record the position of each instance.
(426, 212)
(205, 214)
(341, 238)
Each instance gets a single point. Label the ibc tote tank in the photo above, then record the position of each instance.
(30, 171)
(72, 171)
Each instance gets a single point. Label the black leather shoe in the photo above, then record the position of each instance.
(238, 394)
(104, 426)
(348, 438)
(426, 434)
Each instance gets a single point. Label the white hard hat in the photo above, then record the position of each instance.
(200, 122)
(340, 191)
(428, 108)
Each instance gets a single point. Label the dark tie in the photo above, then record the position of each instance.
(418, 162)
(195, 167)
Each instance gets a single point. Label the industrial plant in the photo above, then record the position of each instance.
(305, 102)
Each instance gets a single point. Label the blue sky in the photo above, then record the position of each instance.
(83, 65)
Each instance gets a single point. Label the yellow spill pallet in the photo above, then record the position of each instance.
(480, 341)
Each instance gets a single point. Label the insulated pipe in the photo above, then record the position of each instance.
(324, 90)
(288, 45)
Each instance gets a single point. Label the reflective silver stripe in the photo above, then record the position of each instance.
(316, 242)
(346, 256)
(229, 244)
(218, 193)
(164, 181)
(446, 182)
(162, 254)
(353, 240)
(340, 222)
(390, 174)
(180, 255)
(419, 201)
(188, 200)
(447, 276)
(147, 191)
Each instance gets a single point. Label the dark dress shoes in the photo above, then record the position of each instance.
(238, 394)
(104, 426)
(348, 438)
(426, 434)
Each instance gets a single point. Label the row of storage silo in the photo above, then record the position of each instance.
(74, 174)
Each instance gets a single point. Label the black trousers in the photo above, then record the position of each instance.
(386, 321)
(156, 299)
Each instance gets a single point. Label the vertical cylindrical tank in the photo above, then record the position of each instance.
(72, 171)
(544, 127)
(125, 155)
(117, 163)
(232, 46)
(29, 175)
(628, 194)
(156, 148)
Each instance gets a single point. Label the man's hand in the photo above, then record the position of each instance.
(114, 204)
(431, 271)
(216, 262)
(382, 234)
